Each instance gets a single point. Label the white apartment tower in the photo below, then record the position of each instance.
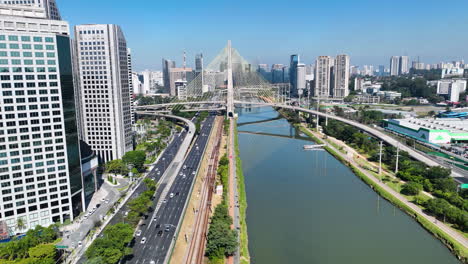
(322, 76)
(395, 66)
(341, 76)
(404, 65)
(104, 84)
(40, 172)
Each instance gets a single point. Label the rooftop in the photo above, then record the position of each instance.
(454, 125)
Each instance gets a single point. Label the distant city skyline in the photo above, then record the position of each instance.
(269, 32)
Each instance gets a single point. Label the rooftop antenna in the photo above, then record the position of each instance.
(185, 65)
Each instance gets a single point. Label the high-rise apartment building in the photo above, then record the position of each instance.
(50, 6)
(395, 66)
(104, 84)
(404, 65)
(341, 76)
(322, 76)
(40, 172)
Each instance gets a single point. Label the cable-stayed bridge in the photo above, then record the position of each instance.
(230, 81)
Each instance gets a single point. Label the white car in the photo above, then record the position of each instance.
(171, 195)
(79, 244)
(193, 173)
(181, 174)
(107, 201)
(103, 199)
(143, 240)
(138, 233)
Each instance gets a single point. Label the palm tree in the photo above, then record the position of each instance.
(20, 224)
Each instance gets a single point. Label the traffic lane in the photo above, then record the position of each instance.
(171, 211)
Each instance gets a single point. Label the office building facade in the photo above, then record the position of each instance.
(40, 171)
(166, 66)
(104, 83)
(294, 61)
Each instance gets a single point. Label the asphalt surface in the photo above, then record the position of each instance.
(156, 173)
(158, 229)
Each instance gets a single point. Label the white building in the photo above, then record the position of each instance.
(341, 76)
(451, 89)
(301, 78)
(40, 173)
(449, 72)
(322, 76)
(49, 6)
(151, 80)
(105, 102)
(395, 66)
(404, 65)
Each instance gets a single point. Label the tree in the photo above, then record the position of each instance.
(136, 158)
(43, 251)
(438, 173)
(20, 224)
(116, 166)
(411, 188)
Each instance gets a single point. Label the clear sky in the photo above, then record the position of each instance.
(268, 31)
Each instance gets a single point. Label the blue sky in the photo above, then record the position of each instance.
(269, 31)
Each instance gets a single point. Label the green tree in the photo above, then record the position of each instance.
(20, 224)
(136, 158)
(116, 166)
(43, 251)
(411, 188)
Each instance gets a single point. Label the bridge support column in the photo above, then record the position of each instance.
(230, 85)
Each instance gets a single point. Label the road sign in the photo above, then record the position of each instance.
(59, 246)
(464, 186)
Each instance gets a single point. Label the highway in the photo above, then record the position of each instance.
(176, 150)
(158, 230)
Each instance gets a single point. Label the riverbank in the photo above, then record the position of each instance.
(395, 198)
(244, 241)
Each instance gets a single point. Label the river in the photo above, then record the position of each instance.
(307, 207)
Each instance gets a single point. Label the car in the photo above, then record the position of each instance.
(126, 213)
(158, 226)
(143, 240)
(154, 219)
(181, 174)
(159, 173)
(103, 199)
(168, 228)
(160, 232)
(185, 166)
(79, 244)
(193, 173)
(171, 195)
(98, 205)
(138, 233)
(152, 262)
(177, 193)
(164, 201)
(107, 201)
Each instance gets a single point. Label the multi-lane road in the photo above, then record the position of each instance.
(158, 230)
(176, 150)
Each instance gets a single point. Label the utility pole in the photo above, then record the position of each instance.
(397, 158)
(380, 160)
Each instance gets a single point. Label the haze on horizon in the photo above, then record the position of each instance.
(270, 31)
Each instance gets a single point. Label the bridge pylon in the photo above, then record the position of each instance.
(230, 85)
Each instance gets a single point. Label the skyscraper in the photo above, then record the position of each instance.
(50, 6)
(130, 83)
(40, 171)
(404, 65)
(395, 66)
(341, 76)
(322, 76)
(301, 78)
(167, 65)
(293, 73)
(104, 83)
